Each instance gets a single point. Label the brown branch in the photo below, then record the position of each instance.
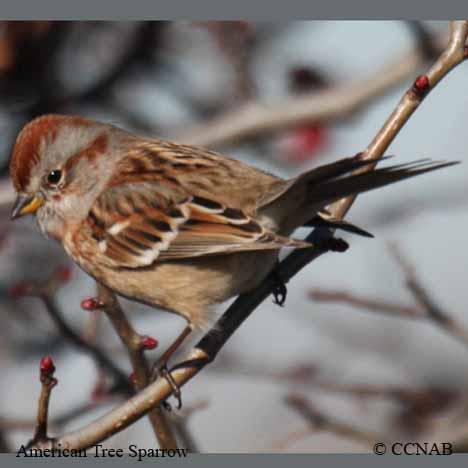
(426, 307)
(48, 382)
(372, 305)
(135, 345)
(56, 423)
(206, 350)
(4, 445)
(433, 311)
(338, 102)
(320, 422)
(46, 292)
(453, 55)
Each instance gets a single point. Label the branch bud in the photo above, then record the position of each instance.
(92, 303)
(148, 342)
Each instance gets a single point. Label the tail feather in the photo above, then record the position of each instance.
(324, 219)
(332, 189)
(339, 168)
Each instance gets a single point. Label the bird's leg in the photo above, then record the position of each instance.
(160, 367)
(280, 291)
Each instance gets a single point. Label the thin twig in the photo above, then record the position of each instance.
(46, 292)
(453, 55)
(206, 350)
(433, 311)
(135, 346)
(320, 422)
(4, 445)
(48, 382)
(181, 421)
(337, 102)
(56, 423)
(363, 303)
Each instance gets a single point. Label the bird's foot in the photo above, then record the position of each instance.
(280, 290)
(163, 372)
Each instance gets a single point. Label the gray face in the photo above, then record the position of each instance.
(68, 187)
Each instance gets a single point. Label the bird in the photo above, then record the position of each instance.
(177, 227)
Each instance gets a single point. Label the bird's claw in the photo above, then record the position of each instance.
(176, 392)
(280, 290)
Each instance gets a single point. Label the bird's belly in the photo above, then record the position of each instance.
(190, 287)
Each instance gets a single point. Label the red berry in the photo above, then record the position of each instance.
(47, 365)
(148, 342)
(92, 303)
(64, 273)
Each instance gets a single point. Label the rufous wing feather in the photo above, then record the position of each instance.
(136, 225)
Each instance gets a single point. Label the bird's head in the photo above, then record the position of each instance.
(55, 168)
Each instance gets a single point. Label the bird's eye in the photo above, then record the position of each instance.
(54, 177)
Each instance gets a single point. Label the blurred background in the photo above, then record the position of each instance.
(284, 97)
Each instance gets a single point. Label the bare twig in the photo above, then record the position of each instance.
(48, 382)
(337, 102)
(4, 445)
(453, 55)
(181, 421)
(56, 423)
(426, 307)
(46, 292)
(433, 311)
(364, 303)
(135, 345)
(206, 350)
(321, 422)
(424, 38)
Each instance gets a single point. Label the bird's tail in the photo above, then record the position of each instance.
(332, 182)
(299, 200)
